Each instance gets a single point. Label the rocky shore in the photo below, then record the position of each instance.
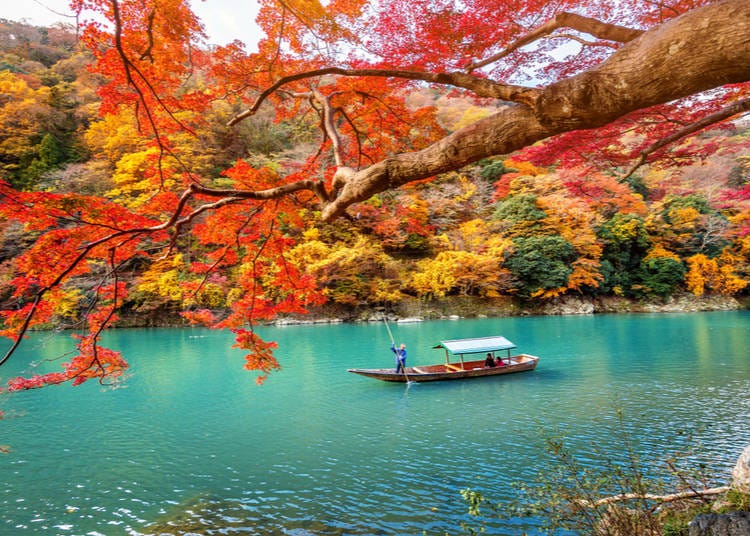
(469, 307)
(456, 307)
(727, 521)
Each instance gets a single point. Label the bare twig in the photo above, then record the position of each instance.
(672, 497)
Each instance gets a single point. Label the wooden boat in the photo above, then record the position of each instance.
(460, 368)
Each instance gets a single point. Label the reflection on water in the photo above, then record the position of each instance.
(191, 444)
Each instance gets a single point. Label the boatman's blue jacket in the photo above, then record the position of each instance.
(400, 354)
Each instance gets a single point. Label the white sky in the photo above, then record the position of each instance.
(224, 20)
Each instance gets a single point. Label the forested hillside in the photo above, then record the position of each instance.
(503, 227)
(579, 215)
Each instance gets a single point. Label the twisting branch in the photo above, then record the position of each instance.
(131, 69)
(150, 34)
(329, 126)
(58, 280)
(480, 86)
(176, 220)
(24, 328)
(314, 186)
(356, 137)
(226, 249)
(343, 172)
(733, 109)
(261, 246)
(100, 328)
(277, 53)
(597, 28)
(228, 197)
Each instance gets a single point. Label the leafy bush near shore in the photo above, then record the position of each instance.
(611, 498)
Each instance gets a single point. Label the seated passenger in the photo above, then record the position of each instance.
(500, 362)
(489, 362)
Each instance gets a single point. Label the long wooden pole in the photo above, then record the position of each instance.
(393, 342)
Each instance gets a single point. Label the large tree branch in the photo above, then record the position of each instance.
(597, 28)
(260, 195)
(479, 86)
(703, 49)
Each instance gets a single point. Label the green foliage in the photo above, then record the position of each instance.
(520, 208)
(626, 242)
(50, 151)
(31, 175)
(540, 263)
(613, 281)
(417, 244)
(491, 170)
(674, 522)
(738, 500)
(659, 276)
(267, 137)
(49, 156)
(625, 238)
(695, 201)
(474, 499)
(638, 185)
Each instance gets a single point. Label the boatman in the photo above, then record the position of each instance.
(400, 356)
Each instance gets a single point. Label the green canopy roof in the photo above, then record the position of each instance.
(476, 346)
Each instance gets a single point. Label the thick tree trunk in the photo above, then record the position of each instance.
(705, 48)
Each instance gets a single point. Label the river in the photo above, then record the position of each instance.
(188, 443)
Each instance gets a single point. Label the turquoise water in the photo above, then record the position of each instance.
(190, 438)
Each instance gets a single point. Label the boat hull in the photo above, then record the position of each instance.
(431, 373)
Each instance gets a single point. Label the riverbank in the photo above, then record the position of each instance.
(456, 307)
(470, 307)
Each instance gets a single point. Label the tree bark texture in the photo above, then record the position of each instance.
(703, 49)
